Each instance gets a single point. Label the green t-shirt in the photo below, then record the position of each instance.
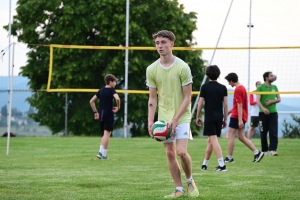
(264, 97)
(169, 82)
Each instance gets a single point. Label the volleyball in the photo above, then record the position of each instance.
(161, 131)
(274, 77)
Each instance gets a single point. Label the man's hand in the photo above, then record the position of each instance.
(115, 109)
(266, 111)
(224, 124)
(198, 121)
(150, 124)
(268, 102)
(173, 125)
(241, 124)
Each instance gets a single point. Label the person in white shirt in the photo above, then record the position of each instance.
(254, 112)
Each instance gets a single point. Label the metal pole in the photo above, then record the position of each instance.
(66, 114)
(249, 59)
(212, 58)
(126, 68)
(10, 83)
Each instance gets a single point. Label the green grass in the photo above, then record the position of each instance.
(67, 168)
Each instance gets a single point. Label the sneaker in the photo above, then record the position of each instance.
(273, 153)
(258, 156)
(192, 189)
(229, 160)
(100, 156)
(204, 167)
(175, 194)
(221, 169)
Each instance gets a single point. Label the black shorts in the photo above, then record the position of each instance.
(213, 128)
(254, 121)
(106, 126)
(234, 123)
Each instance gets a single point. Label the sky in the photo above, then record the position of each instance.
(276, 23)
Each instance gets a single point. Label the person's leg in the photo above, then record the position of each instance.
(264, 128)
(250, 132)
(173, 163)
(231, 137)
(218, 151)
(208, 153)
(273, 133)
(246, 141)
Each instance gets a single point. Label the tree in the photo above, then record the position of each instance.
(291, 130)
(100, 23)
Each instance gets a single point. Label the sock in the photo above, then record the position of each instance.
(230, 157)
(101, 149)
(256, 152)
(104, 152)
(189, 179)
(221, 162)
(205, 162)
(179, 188)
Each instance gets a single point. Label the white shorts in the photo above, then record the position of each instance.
(182, 131)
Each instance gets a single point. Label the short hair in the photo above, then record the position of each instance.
(166, 34)
(213, 72)
(109, 77)
(232, 77)
(266, 75)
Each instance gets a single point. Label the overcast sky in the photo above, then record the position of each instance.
(276, 23)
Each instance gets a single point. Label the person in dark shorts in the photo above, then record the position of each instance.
(254, 112)
(105, 113)
(268, 116)
(214, 95)
(239, 116)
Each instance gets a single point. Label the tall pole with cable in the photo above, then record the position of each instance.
(211, 60)
(249, 54)
(126, 70)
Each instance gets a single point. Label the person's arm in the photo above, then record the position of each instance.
(277, 100)
(118, 102)
(200, 106)
(152, 104)
(240, 114)
(225, 102)
(93, 106)
(266, 111)
(187, 91)
(252, 102)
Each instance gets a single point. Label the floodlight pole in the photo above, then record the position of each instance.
(249, 58)
(126, 70)
(212, 58)
(10, 82)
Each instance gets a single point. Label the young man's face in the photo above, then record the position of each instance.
(270, 77)
(163, 46)
(231, 83)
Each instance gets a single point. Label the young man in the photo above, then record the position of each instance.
(172, 79)
(214, 95)
(254, 113)
(268, 116)
(239, 116)
(105, 113)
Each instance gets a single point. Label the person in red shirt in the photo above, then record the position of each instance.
(254, 111)
(239, 116)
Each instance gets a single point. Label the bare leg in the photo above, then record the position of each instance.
(105, 139)
(250, 132)
(231, 137)
(173, 164)
(216, 146)
(209, 150)
(245, 140)
(186, 161)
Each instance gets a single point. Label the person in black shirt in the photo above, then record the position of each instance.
(214, 95)
(105, 113)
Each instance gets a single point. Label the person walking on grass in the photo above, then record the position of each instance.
(254, 110)
(239, 116)
(268, 116)
(171, 77)
(214, 97)
(105, 112)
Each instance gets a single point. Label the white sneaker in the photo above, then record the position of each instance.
(266, 153)
(273, 153)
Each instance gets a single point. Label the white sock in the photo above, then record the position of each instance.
(101, 149)
(256, 151)
(205, 162)
(104, 151)
(189, 179)
(230, 157)
(179, 188)
(221, 162)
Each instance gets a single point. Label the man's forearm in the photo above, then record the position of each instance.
(151, 109)
(240, 112)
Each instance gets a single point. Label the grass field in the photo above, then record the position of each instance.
(67, 168)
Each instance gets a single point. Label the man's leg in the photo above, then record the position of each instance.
(246, 141)
(231, 137)
(250, 132)
(264, 128)
(273, 131)
(208, 150)
(173, 164)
